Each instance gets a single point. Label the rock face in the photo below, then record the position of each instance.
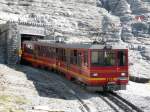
(70, 18)
(135, 21)
(123, 21)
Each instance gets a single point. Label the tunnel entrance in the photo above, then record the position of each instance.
(13, 34)
(27, 37)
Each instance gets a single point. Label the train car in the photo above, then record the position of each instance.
(98, 67)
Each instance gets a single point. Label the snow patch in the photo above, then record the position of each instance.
(137, 89)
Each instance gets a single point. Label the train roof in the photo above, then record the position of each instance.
(76, 45)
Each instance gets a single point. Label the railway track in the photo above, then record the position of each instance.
(120, 102)
(114, 101)
(83, 106)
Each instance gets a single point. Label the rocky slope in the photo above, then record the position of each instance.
(72, 18)
(122, 21)
(135, 22)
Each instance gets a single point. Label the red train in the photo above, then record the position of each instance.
(98, 67)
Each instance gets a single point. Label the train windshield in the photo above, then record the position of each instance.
(103, 58)
(108, 58)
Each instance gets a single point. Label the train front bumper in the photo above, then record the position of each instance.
(109, 87)
(114, 87)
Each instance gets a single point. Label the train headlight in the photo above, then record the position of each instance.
(123, 74)
(94, 74)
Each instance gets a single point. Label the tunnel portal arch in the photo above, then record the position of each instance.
(12, 34)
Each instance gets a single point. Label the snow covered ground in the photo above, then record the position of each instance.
(137, 89)
(138, 94)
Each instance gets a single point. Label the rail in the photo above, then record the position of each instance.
(83, 106)
(123, 103)
(127, 102)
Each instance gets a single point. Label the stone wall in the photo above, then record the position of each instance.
(13, 39)
(3, 43)
(10, 38)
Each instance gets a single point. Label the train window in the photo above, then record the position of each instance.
(85, 58)
(79, 59)
(53, 52)
(121, 58)
(43, 51)
(57, 53)
(39, 51)
(95, 57)
(64, 55)
(103, 58)
(109, 58)
(35, 51)
(48, 51)
(41, 54)
(73, 57)
(60, 54)
(29, 49)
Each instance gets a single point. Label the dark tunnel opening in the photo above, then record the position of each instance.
(28, 37)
